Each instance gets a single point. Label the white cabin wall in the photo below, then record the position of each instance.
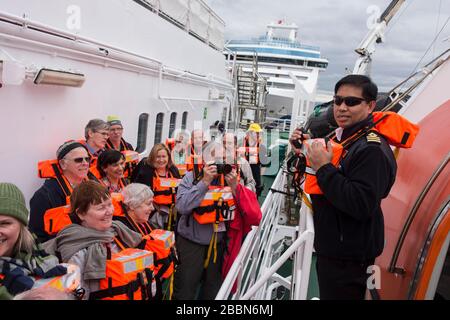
(40, 118)
(37, 119)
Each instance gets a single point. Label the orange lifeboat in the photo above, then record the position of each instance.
(417, 218)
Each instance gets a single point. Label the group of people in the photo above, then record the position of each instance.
(96, 205)
(190, 203)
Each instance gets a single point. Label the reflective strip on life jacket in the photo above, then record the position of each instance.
(217, 193)
(169, 182)
(129, 276)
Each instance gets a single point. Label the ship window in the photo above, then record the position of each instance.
(184, 120)
(173, 123)
(142, 133)
(317, 64)
(159, 127)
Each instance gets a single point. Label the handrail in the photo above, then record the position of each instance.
(304, 237)
(253, 270)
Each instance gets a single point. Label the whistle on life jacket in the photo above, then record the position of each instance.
(311, 185)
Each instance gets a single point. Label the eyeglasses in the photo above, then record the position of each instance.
(103, 133)
(80, 160)
(349, 101)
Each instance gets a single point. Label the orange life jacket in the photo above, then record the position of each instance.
(251, 154)
(193, 160)
(182, 168)
(398, 131)
(117, 200)
(165, 189)
(170, 143)
(160, 242)
(56, 218)
(129, 276)
(131, 162)
(311, 185)
(217, 205)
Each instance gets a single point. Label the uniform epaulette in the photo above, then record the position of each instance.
(373, 137)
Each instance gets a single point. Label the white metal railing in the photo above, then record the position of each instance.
(277, 123)
(254, 270)
(194, 16)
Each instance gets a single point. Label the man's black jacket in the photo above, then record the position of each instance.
(348, 219)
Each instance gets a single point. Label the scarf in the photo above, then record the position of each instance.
(38, 263)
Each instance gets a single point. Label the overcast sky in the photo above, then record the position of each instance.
(338, 26)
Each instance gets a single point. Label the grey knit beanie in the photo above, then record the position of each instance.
(12, 202)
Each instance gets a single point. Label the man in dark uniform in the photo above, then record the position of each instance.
(348, 221)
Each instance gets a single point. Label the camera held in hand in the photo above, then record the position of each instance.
(223, 168)
(299, 142)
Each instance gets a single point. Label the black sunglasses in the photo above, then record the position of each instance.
(349, 101)
(80, 160)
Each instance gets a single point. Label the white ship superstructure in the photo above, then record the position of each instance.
(157, 65)
(280, 54)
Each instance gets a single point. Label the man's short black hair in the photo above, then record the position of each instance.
(369, 89)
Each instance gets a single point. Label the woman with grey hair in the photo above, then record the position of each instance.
(138, 206)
